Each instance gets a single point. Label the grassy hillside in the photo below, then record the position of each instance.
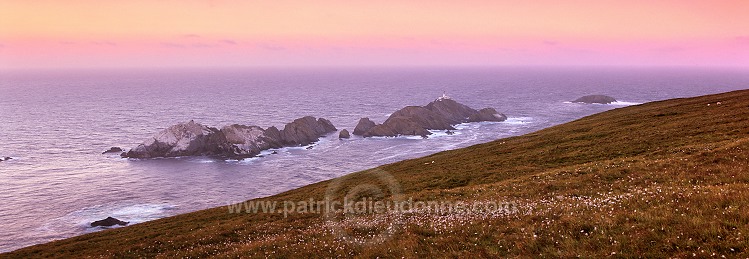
(667, 178)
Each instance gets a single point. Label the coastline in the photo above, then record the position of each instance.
(418, 168)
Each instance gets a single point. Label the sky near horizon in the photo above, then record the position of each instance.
(229, 33)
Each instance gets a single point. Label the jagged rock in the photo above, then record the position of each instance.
(440, 114)
(305, 130)
(184, 139)
(233, 141)
(423, 117)
(248, 141)
(108, 222)
(449, 132)
(601, 99)
(451, 110)
(273, 133)
(113, 150)
(6, 158)
(363, 126)
(395, 126)
(344, 134)
(487, 114)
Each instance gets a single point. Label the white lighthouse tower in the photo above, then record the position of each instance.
(444, 96)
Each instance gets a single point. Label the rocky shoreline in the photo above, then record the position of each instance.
(234, 141)
(240, 141)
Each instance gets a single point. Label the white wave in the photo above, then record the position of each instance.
(461, 126)
(287, 151)
(139, 213)
(404, 153)
(392, 147)
(268, 152)
(205, 160)
(443, 133)
(412, 137)
(81, 219)
(379, 138)
(452, 146)
(518, 120)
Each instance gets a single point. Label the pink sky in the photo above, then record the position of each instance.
(233, 33)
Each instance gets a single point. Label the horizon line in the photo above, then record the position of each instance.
(362, 67)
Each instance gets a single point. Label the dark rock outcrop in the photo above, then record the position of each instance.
(600, 99)
(248, 141)
(113, 150)
(344, 134)
(451, 110)
(305, 131)
(440, 114)
(364, 125)
(108, 222)
(233, 141)
(6, 158)
(424, 117)
(184, 139)
(395, 126)
(275, 134)
(487, 114)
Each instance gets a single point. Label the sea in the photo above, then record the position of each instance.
(56, 124)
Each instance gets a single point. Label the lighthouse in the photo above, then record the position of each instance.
(444, 96)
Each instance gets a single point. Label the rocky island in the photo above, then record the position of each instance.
(441, 114)
(233, 141)
(240, 141)
(599, 99)
(108, 222)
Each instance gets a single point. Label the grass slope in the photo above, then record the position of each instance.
(667, 178)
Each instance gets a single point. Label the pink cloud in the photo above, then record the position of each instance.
(202, 45)
(172, 45)
(230, 42)
(271, 46)
(104, 43)
(550, 42)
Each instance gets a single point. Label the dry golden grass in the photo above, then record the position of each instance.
(662, 179)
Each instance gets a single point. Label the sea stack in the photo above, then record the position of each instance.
(364, 125)
(108, 222)
(344, 134)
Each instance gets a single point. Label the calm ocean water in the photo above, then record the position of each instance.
(56, 124)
